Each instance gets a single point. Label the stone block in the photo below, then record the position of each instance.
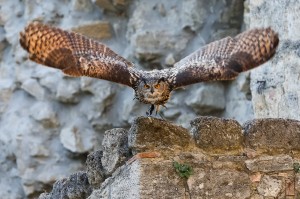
(151, 134)
(270, 163)
(272, 134)
(219, 184)
(217, 135)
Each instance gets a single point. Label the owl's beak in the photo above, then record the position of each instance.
(151, 90)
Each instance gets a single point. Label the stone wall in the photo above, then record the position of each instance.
(275, 87)
(260, 159)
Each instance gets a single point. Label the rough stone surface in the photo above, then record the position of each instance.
(271, 134)
(219, 184)
(95, 171)
(115, 149)
(275, 86)
(217, 135)
(78, 139)
(147, 133)
(270, 163)
(269, 187)
(74, 187)
(124, 183)
(207, 99)
(213, 175)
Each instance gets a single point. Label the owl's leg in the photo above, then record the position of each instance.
(156, 109)
(150, 111)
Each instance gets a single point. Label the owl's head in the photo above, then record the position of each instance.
(153, 91)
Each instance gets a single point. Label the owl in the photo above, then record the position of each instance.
(77, 55)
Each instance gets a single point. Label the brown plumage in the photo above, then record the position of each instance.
(77, 55)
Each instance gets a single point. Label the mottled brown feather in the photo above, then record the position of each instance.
(226, 58)
(75, 54)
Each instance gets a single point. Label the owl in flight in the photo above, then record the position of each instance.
(77, 55)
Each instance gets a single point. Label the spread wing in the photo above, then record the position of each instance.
(75, 54)
(226, 58)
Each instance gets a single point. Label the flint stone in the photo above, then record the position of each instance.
(272, 134)
(270, 163)
(217, 135)
(151, 134)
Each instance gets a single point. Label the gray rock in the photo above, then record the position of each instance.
(10, 183)
(67, 91)
(207, 99)
(115, 150)
(95, 171)
(32, 87)
(44, 113)
(269, 186)
(6, 90)
(114, 187)
(77, 138)
(275, 86)
(74, 187)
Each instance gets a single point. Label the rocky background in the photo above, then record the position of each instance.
(50, 122)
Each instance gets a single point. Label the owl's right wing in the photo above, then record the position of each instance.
(75, 54)
(226, 58)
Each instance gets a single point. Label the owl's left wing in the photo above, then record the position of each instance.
(76, 55)
(226, 58)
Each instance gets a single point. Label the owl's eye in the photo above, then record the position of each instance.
(157, 86)
(146, 86)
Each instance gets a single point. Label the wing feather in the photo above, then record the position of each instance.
(226, 58)
(75, 54)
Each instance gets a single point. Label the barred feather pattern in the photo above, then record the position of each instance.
(77, 55)
(226, 58)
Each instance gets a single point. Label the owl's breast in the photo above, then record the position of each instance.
(154, 98)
